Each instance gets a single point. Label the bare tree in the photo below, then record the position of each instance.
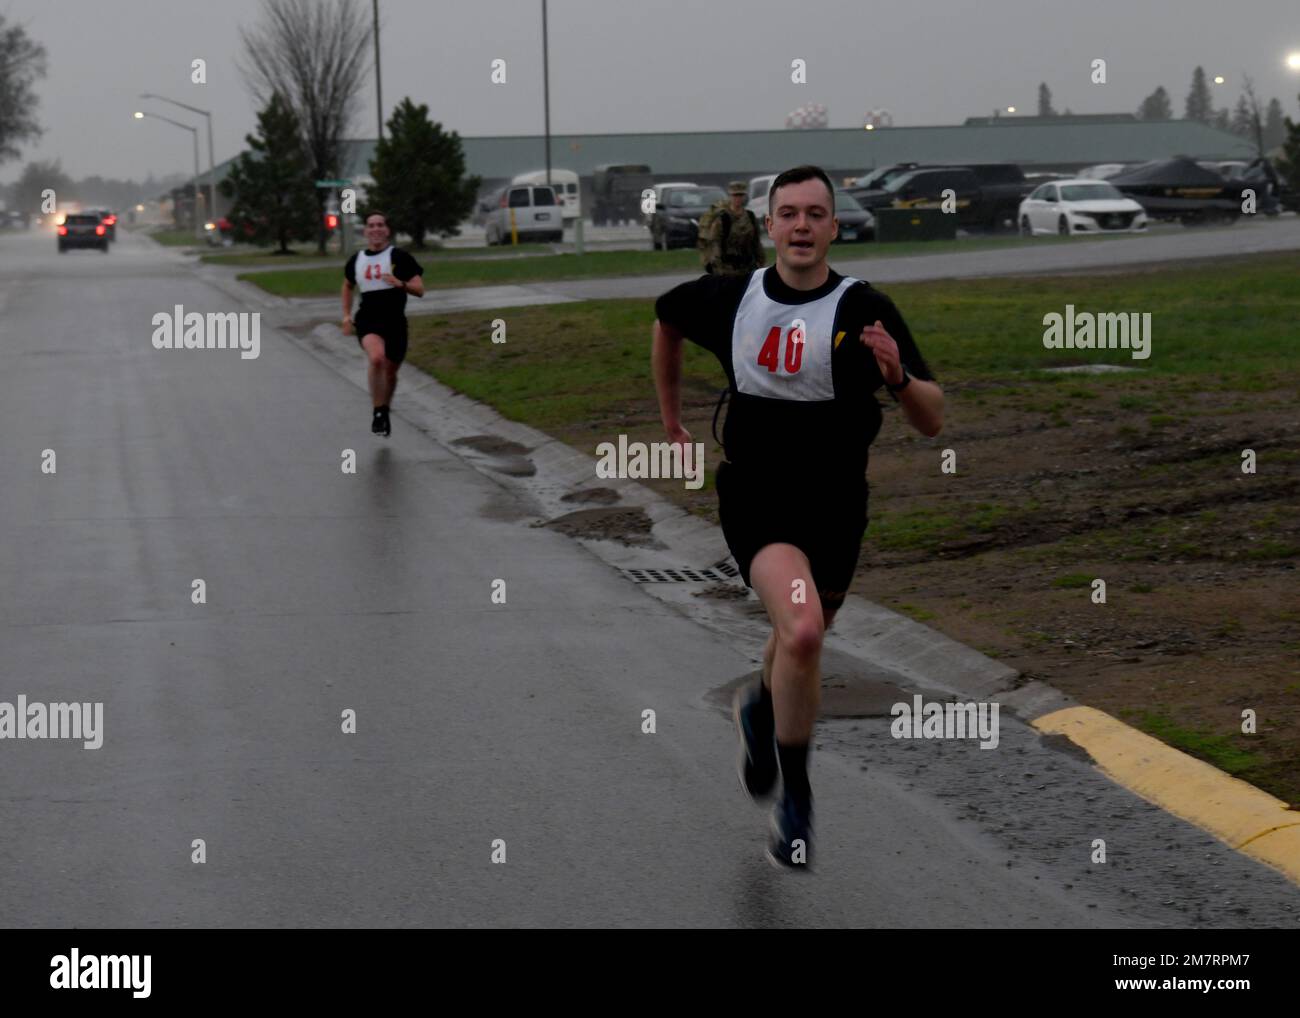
(314, 54)
(1256, 117)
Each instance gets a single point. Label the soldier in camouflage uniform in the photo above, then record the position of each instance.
(732, 244)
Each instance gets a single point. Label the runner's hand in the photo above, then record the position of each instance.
(392, 280)
(881, 343)
(348, 329)
(679, 436)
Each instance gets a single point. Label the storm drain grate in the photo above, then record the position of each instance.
(719, 573)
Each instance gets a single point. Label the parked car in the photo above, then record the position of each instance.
(659, 194)
(82, 229)
(676, 219)
(1179, 189)
(1002, 188)
(485, 204)
(923, 188)
(881, 176)
(537, 215)
(856, 223)
(1081, 205)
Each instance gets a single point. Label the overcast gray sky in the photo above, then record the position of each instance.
(657, 65)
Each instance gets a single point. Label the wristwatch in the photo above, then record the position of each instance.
(894, 390)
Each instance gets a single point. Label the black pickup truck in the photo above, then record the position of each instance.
(988, 195)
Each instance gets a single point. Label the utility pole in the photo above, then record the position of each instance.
(379, 87)
(546, 93)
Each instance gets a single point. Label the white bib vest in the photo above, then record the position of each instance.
(370, 269)
(783, 351)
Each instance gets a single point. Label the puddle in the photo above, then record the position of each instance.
(626, 524)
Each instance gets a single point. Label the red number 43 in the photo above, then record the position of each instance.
(794, 340)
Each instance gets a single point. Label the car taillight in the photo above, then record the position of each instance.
(110, 220)
(63, 231)
(99, 230)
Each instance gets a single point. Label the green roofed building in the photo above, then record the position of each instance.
(1064, 143)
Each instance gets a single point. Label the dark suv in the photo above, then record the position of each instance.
(83, 229)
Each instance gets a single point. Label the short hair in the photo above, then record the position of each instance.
(798, 175)
(378, 212)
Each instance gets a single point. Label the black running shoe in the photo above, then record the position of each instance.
(757, 763)
(380, 425)
(790, 846)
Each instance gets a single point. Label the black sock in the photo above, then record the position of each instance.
(761, 717)
(794, 771)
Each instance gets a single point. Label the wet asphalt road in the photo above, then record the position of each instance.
(475, 721)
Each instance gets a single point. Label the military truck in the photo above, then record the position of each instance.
(616, 192)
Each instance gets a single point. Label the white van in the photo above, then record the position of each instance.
(534, 210)
(565, 184)
(758, 188)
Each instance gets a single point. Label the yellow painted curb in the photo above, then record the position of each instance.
(1250, 820)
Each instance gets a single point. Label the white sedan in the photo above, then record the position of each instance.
(1080, 206)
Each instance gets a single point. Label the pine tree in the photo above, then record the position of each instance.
(1045, 101)
(1199, 106)
(1156, 106)
(1274, 128)
(419, 172)
(272, 187)
(1291, 151)
(1222, 120)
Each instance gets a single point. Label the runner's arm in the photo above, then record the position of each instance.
(922, 401)
(415, 286)
(666, 363)
(922, 404)
(347, 299)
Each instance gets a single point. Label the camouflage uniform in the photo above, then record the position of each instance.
(744, 246)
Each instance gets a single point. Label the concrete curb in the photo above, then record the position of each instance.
(1239, 814)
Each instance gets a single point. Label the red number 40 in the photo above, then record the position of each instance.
(794, 340)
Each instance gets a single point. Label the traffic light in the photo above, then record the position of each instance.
(331, 221)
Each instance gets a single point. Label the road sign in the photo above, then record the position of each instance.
(333, 183)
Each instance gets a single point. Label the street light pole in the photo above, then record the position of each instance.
(194, 131)
(379, 88)
(212, 172)
(546, 94)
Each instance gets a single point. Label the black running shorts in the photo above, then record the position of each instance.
(393, 331)
(825, 523)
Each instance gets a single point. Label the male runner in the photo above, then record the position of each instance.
(804, 350)
(386, 274)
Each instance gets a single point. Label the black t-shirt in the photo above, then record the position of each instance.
(379, 301)
(819, 442)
